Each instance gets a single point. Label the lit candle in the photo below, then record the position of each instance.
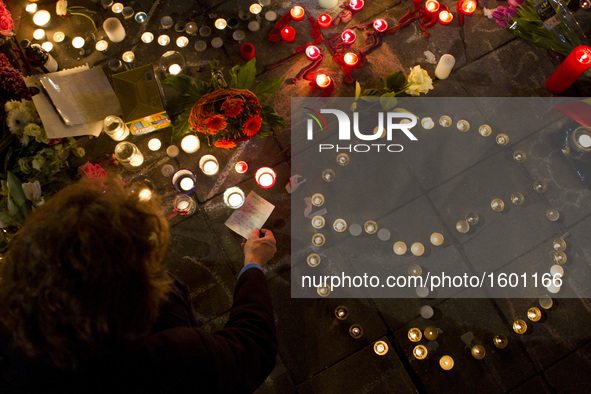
(288, 34)
(500, 341)
(343, 159)
(191, 28)
(234, 197)
(324, 20)
(485, 130)
(341, 312)
(154, 144)
(78, 42)
(323, 81)
(400, 248)
(313, 260)
(446, 363)
(502, 139)
(48, 46)
(265, 177)
(190, 143)
(463, 125)
(417, 249)
(339, 225)
(318, 222)
(241, 167)
(166, 22)
(437, 239)
(478, 352)
(318, 239)
(58, 36)
(415, 335)
(576, 63)
(101, 45)
(431, 333)
(209, 165)
(145, 194)
(184, 204)
(534, 313)
(317, 199)
(31, 8)
(468, 7)
(128, 155)
(444, 67)
(356, 5)
(348, 36)
(141, 17)
(115, 128)
(559, 257)
(356, 331)
(41, 18)
(163, 40)
(114, 29)
(147, 37)
(174, 69)
(445, 17)
(117, 8)
(497, 205)
(128, 56)
(127, 12)
(559, 244)
(427, 123)
(38, 34)
(184, 181)
(519, 326)
(370, 227)
(517, 198)
(415, 270)
(432, 6)
(255, 8)
(420, 352)
(297, 13)
(220, 23)
(182, 41)
(462, 226)
(312, 52)
(350, 59)
(380, 25)
(380, 348)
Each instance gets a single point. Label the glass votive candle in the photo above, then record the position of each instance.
(38, 34)
(463, 125)
(356, 331)
(41, 18)
(323, 290)
(209, 165)
(220, 23)
(128, 56)
(420, 352)
(557, 271)
(437, 239)
(317, 199)
(559, 257)
(339, 225)
(313, 260)
(47, 46)
(200, 46)
(380, 25)
(431, 333)
(154, 144)
(234, 197)
(106, 3)
(446, 363)
(114, 29)
(78, 42)
(546, 302)
(191, 28)
(297, 13)
(341, 312)
(312, 52)
(370, 227)
(217, 42)
(141, 17)
(552, 215)
(182, 41)
(184, 204)
(519, 326)
(270, 16)
(58, 36)
(318, 221)
(129, 155)
(166, 22)
(540, 186)
(462, 226)
(427, 312)
(485, 130)
(127, 12)
(238, 35)
(519, 156)
(31, 8)
(318, 239)
(323, 81)
(101, 45)
(343, 159)
(559, 245)
(427, 123)
(115, 65)
(115, 128)
(400, 248)
(204, 31)
(534, 314)
(265, 177)
(472, 218)
(147, 37)
(445, 121)
(241, 167)
(163, 40)
(417, 248)
(497, 205)
(117, 8)
(415, 335)
(500, 341)
(478, 352)
(184, 181)
(356, 5)
(502, 139)
(325, 21)
(255, 8)
(517, 198)
(432, 6)
(348, 36)
(445, 17)
(328, 175)
(254, 26)
(380, 348)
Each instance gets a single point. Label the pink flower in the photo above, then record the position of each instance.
(92, 171)
(6, 23)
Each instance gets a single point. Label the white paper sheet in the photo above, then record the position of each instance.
(252, 214)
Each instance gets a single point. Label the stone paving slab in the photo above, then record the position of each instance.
(571, 374)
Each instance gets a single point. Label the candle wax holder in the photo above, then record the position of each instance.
(172, 63)
(341, 312)
(427, 312)
(370, 227)
(317, 199)
(184, 204)
(380, 25)
(356, 331)
(517, 199)
(147, 37)
(209, 165)
(154, 144)
(380, 348)
(400, 248)
(431, 333)
(415, 335)
(129, 155)
(288, 34)
(445, 121)
(184, 181)
(468, 7)
(437, 239)
(233, 197)
(241, 167)
(297, 13)
(432, 6)
(348, 36)
(356, 5)
(556, 271)
(462, 226)
(552, 215)
(445, 17)
(323, 81)
(318, 222)
(350, 59)
(500, 341)
(559, 257)
(312, 52)
(128, 56)
(446, 363)
(339, 225)
(415, 270)
(141, 17)
(163, 40)
(420, 352)
(417, 248)
(313, 260)
(485, 130)
(325, 21)
(115, 128)
(265, 177)
(546, 302)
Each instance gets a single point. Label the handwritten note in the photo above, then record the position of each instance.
(252, 214)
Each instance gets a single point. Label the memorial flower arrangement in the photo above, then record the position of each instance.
(6, 22)
(62, 9)
(222, 114)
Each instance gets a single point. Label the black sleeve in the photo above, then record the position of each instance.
(235, 359)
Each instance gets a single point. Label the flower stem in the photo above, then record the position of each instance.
(86, 16)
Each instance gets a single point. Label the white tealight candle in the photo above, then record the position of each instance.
(200, 46)
(220, 23)
(443, 69)
(271, 16)
(190, 143)
(556, 271)
(265, 3)
(327, 3)
(41, 18)
(182, 41)
(235, 199)
(58, 36)
(182, 205)
(163, 40)
(48, 46)
(117, 8)
(154, 144)
(255, 8)
(266, 179)
(78, 42)
(147, 37)
(31, 8)
(39, 34)
(174, 69)
(101, 45)
(254, 26)
(187, 184)
(144, 194)
(128, 56)
(585, 141)
(209, 165)
(217, 42)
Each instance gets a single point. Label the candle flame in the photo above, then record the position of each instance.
(322, 80)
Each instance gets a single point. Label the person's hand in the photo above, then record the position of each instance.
(259, 247)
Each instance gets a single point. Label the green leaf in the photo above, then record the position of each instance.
(267, 88)
(7, 219)
(181, 127)
(244, 75)
(370, 92)
(181, 82)
(15, 189)
(180, 103)
(395, 81)
(15, 212)
(272, 118)
(388, 100)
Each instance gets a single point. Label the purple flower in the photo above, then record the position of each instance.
(502, 23)
(511, 12)
(498, 14)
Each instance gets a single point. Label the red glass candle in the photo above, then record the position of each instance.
(350, 59)
(445, 17)
(468, 7)
(576, 63)
(241, 167)
(288, 34)
(356, 5)
(348, 36)
(324, 21)
(432, 6)
(323, 81)
(247, 51)
(265, 177)
(297, 13)
(380, 25)
(312, 52)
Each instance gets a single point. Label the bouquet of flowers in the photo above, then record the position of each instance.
(222, 114)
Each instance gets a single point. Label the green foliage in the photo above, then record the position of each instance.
(16, 200)
(242, 77)
(394, 82)
(272, 118)
(181, 127)
(265, 89)
(388, 100)
(190, 90)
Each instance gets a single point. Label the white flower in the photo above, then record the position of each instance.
(419, 81)
(32, 192)
(61, 8)
(32, 130)
(38, 162)
(17, 119)
(42, 137)
(488, 12)
(32, 110)
(11, 105)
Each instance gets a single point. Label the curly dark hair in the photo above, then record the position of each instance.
(84, 273)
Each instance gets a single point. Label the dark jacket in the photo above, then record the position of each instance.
(236, 359)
